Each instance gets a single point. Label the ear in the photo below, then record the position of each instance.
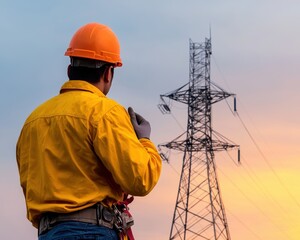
(69, 71)
(107, 74)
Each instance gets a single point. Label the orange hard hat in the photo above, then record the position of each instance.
(95, 41)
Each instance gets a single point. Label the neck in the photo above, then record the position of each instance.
(102, 86)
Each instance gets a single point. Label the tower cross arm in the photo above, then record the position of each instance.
(174, 145)
(217, 96)
(218, 145)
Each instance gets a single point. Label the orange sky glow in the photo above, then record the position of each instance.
(255, 54)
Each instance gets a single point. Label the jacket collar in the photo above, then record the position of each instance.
(79, 85)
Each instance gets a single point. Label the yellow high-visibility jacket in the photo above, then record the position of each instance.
(80, 148)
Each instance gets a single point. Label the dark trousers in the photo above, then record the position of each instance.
(78, 230)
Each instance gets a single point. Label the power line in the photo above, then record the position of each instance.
(267, 162)
(264, 190)
(255, 143)
(186, 185)
(261, 188)
(253, 203)
(245, 225)
(249, 200)
(240, 221)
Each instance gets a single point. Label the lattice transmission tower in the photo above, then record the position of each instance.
(199, 212)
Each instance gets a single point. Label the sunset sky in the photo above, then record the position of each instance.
(256, 54)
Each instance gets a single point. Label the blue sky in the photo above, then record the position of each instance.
(255, 54)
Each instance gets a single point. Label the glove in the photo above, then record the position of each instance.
(141, 126)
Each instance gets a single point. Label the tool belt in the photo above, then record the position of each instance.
(98, 215)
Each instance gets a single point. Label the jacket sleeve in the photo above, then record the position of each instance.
(135, 164)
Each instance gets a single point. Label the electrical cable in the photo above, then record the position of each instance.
(178, 123)
(258, 208)
(255, 143)
(265, 159)
(231, 158)
(265, 191)
(222, 75)
(260, 187)
(267, 162)
(244, 225)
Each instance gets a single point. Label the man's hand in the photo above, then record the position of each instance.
(141, 125)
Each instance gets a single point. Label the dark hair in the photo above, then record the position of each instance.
(91, 75)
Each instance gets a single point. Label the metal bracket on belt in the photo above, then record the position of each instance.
(105, 216)
(123, 220)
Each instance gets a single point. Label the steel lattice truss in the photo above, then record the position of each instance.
(199, 212)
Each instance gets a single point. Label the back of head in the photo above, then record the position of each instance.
(93, 47)
(83, 69)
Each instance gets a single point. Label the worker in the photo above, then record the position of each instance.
(80, 154)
